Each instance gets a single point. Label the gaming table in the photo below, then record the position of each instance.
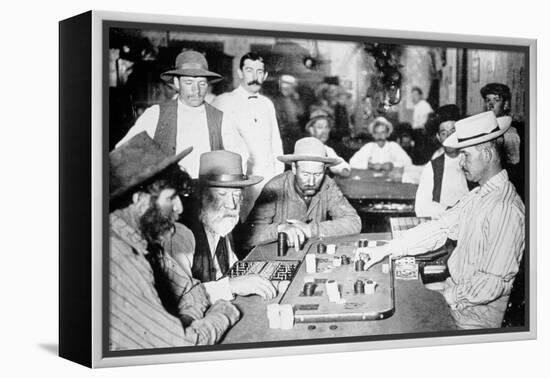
(365, 184)
(412, 309)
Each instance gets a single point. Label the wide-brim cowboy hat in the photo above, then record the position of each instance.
(191, 63)
(309, 149)
(380, 121)
(136, 161)
(477, 129)
(224, 169)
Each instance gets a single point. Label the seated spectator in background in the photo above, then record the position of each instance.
(319, 126)
(380, 154)
(304, 202)
(153, 302)
(405, 139)
(211, 253)
(442, 183)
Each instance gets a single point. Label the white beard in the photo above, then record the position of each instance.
(220, 224)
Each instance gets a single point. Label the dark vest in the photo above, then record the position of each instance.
(438, 165)
(167, 128)
(203, 263)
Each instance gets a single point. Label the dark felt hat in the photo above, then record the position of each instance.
(496, 89)
(136, 161)
(191, 63)
(222, 168)
(444, 113)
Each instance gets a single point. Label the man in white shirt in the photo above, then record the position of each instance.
(380, 154)
(442, 183)
(210, 254)
(421, 109)
(255, 119)
(319, 126)
(189, 120)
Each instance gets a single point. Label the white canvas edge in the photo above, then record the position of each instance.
(97, 202)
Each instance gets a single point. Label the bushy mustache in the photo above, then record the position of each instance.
(254, 82)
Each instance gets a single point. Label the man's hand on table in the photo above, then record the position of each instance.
(297, 232)
(376, 254)
(252, 284)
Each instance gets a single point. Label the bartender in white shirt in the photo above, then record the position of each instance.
(255, 119)
(442, 183)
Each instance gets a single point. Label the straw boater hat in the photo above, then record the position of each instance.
(191, 63)
(477, 129)
(309, 149)
(136, 161)
(380, 121)
(222, 168)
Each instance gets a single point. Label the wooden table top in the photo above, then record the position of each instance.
(364, 184)
(417, 309)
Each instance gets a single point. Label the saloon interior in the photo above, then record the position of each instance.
(356, 81)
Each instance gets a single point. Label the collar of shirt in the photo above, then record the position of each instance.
(186, 108)
(496, 182)
(213, 239)
(246, 94)
(124, 222)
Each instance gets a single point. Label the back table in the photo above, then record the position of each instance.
(417, 309)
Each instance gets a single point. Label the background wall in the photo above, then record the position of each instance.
(29, 219)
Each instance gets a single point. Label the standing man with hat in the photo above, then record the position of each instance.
(303, 202)
(255, 118)
(221, 181)
(189, 120)
(488, 225)
(497, 98)
(153, 303)
(442, 183)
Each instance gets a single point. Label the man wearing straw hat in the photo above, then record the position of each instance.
(153, 302)
(211, 255)
(189, 120)
(303, 202)
(380, 154)
(488, 225)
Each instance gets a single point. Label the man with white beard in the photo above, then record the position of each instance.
(210, 255)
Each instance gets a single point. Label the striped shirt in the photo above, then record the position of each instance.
(489, 227)
(137, 317)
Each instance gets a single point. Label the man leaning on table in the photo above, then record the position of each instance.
(488, 225)
(303, 202)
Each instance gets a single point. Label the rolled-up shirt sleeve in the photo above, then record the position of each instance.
(146, 122)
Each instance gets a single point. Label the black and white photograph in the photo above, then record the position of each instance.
(271, 188)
